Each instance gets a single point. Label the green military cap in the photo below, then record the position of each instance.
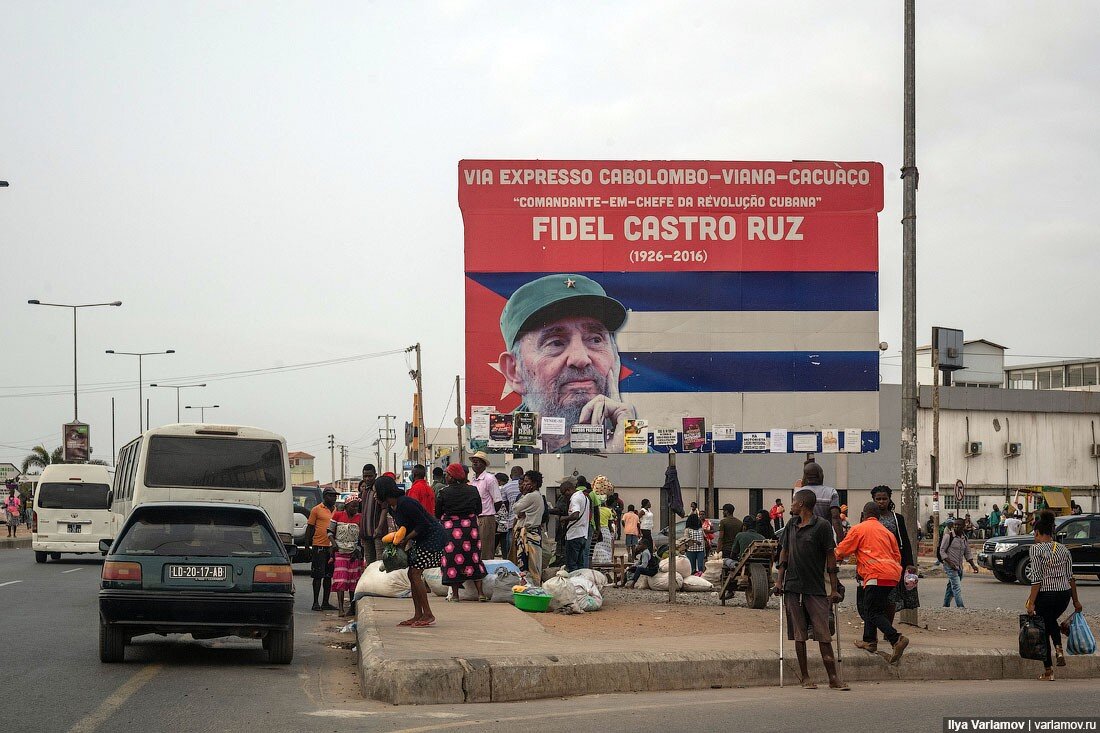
(552, 297)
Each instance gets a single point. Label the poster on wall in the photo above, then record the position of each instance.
(777, 440)
(743, 290)
(804, 442)
(754, 442)
(587, 438)
(664, 436)
(830, 440)
(500, 431)
(724, 432)
(636, 436)
(853, 439)
(694, 433)
(524, 430)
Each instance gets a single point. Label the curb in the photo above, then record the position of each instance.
(15, 544)
(523, 677)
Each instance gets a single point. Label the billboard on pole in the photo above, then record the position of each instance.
(602, 292)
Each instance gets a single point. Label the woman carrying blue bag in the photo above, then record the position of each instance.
(1052, 588)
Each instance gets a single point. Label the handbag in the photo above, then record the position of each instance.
(1033, 637)
(1080, 639)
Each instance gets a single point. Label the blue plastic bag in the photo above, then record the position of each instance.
(1080, 639)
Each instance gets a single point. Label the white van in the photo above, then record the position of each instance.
(189, 462)
(71, 510)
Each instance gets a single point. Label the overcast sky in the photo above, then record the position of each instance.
(268, 184)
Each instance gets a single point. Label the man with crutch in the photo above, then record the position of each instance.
(806, 558)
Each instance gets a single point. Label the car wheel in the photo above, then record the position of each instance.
(280, 645)
(1004, 577)
(112, 643)
(55, 555)
(1023, 569)
(39, 557)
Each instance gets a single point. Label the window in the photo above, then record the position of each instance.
(1089, 375)
(219, 463)
(1044, 379)
(968, 504)
(1075, 375)
(1021, 380)
(199, 532)
(1057, 378)
(73, 495)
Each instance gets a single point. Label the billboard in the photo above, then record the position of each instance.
(76, 439)
(612, 294)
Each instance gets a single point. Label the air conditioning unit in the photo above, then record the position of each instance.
(1096, 450)
(974, 448)
(1013, 449)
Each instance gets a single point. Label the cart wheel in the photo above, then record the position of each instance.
(757, 593)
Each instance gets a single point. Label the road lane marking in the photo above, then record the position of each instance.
(99, 716)
(71, 571)
(10, 582)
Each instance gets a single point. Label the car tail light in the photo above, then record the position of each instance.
(34, 522)
(122, 571)
(273, 574)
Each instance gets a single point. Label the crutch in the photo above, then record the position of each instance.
(782, 633)
(836, 621)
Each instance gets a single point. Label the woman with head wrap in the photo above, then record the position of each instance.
(349, 554)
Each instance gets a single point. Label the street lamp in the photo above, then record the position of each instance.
(116, 303)
(202, 410)
(177, 388)
(140, 354)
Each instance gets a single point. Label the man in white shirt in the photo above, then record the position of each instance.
(645, 524)
(576, 533)
(1012, 526)
(485, 481)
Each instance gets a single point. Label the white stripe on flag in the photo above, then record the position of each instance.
(749, 331)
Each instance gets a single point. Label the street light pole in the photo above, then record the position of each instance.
(139, 355)
(202, 410)
(76, 411)
(177, 388)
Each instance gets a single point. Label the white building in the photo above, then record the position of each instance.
(983, 365)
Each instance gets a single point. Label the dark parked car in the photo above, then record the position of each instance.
(305, 498)
(198, 568)
(1008, 558)
(660, 540)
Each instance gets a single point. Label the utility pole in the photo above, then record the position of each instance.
(418, 418)
(458, 419)
(114, 455)
(332, 458)
(935, 437)
(343, 462)
(388, 438)
(909, 489)
(378, 451)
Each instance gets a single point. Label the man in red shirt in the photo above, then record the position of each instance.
(421, 490)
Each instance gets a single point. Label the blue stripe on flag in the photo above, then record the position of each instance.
(718, 291)
(751, 371)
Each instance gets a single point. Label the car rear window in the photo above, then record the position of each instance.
(73, 495)
(199, 532)
(215, 463)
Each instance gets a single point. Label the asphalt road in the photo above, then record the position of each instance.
(51, 674)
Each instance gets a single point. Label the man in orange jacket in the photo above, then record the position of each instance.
(878, 563)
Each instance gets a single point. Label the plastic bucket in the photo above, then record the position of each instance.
(534, 604)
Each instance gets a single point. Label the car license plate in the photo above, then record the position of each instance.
(74, 529)
(196, 572)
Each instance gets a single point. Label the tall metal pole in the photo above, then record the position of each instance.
(935, 437)
(909, 490)
(147, 422)
(421, 453)
(114, 455)
(76, 412)
(140, 429)
(332, 458)
(458, 420)
(388, 439)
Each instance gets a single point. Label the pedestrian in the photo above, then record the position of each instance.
(778, 511)
(437, 481)
(694, 543)
(631, 531)
(1012, 525)
(420, 490)
(320, 517)
(506, 517)
(527, 534)
(900, 597)
(577, 524)
(805, 560)
(968, 526)
(744, 539)
(827, 504)
(13, 510)
(729, 526)
(995, 521)
(601, 548)
(617, 507)
(348, 562)
(645, 523)
(458, 507)
(594, 504)
(369, 512)
(645, 563)
(878, 564)
(1075, 508)
(488, 488)
(1052, 588)
(423, 544)
(763, 523)
(954, 548)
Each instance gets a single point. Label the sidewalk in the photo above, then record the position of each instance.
(22, 539)
(492, 652)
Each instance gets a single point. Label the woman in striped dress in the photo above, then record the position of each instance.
(348, 565)
(1052, 587)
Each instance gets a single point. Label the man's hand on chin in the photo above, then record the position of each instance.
(601, 409)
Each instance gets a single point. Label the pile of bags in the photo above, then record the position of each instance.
(497, 585)
(684, 579)
(375, 581)
(576, 592)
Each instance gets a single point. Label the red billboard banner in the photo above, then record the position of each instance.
(649, 291)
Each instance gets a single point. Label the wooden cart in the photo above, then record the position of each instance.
(752, 574)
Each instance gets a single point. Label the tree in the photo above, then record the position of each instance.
(40, 458)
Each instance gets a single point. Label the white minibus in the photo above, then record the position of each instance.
(71, 510)
(188, 462)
